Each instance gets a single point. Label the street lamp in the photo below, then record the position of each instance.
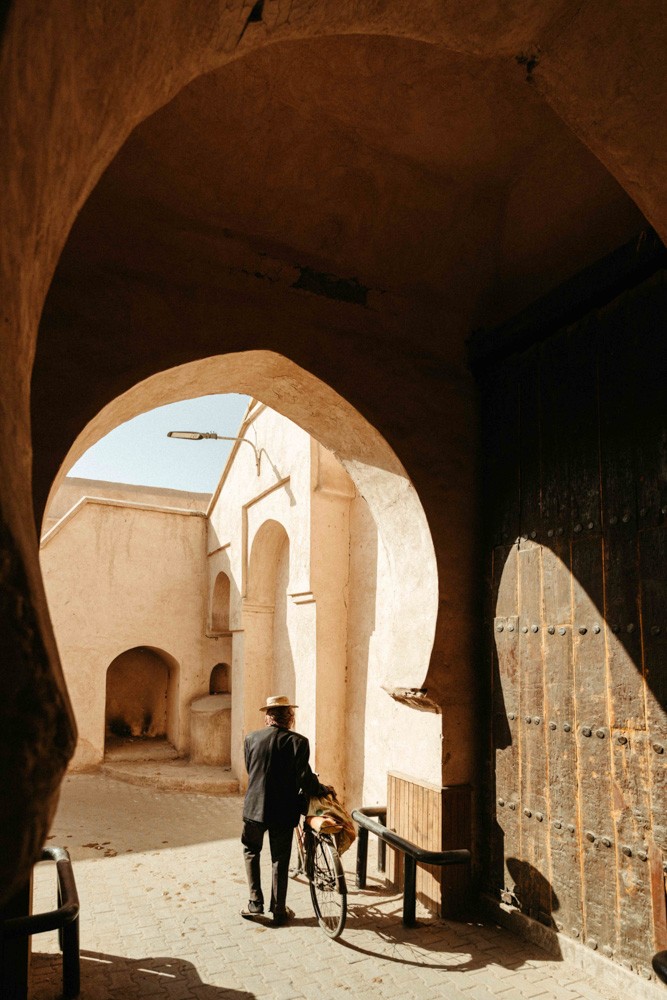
(202, 435)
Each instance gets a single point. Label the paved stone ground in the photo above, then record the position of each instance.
(161, 881)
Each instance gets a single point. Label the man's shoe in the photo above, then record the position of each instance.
(253, 909)
(281, 918)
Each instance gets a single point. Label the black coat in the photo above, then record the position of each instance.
(279, 776)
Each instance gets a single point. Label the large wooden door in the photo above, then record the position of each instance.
(575, 450)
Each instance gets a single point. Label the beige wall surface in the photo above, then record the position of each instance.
(315, 610)
(293, 581)
(73, 488)
(117, 578)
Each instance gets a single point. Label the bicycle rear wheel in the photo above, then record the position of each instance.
(328, 889)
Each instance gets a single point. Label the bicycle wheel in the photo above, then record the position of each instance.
(328, 890)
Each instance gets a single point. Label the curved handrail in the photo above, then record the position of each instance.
(413, 855)
(420, 854)
(65, 919)
(53, 920)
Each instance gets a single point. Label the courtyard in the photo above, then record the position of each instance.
(161, 881)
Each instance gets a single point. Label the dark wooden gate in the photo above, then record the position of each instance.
(575, 451)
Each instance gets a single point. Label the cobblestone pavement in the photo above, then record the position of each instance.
(161, 882)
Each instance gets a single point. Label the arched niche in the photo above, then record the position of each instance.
(219, 681)
(220, 603)
(140, 696)
(268, 667)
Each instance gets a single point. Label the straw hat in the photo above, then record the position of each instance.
(277, 701)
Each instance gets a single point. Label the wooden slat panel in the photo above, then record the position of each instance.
(580, 420)
(529, 443)
(415, 811)
(500, 430)
(594, 751)
(555, 434)
(534, 817)
(653, 564)
(506, 715)
(560, 735)
(649, 415)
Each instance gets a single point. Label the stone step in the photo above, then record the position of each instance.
(138, 749)
(174, 776)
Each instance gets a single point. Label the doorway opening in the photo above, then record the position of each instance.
(139, 705)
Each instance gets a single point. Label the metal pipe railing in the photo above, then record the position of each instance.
(380, 812)
(413, 854)
(64, 919)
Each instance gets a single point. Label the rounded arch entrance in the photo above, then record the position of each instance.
(141, 697)
(374, 468)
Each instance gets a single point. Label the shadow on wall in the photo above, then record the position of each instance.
(533, 894)
(284, 674)
(138, 977)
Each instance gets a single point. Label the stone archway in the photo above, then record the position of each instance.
(57, 104)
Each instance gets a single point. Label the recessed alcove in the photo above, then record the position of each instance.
(139, 701)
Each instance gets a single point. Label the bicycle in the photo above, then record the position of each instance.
(319, 862)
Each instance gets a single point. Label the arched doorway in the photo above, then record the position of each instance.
(140, 700)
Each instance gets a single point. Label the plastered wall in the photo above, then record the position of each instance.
(119, 577)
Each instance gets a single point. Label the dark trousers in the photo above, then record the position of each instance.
(280, 842)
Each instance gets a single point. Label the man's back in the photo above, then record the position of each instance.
(277, 763)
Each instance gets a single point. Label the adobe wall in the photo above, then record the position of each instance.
(74, 488)
(119, 577)
(337, 626)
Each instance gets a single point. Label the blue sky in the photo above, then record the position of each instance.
(140, 452)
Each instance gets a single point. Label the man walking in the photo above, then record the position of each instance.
(280, 781)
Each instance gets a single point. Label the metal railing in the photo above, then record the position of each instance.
(413, 856)
(64, 919)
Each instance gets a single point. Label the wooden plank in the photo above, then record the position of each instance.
(500, 441)
(629, 766)
(617, 401)
(506, 714)
(594, 745)
(560, 736)
(623, 634)
(653, 573)
(631, 819)
(649, 364)
(555, 435)
(580, 418)
(529, 444)
(534, 815)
